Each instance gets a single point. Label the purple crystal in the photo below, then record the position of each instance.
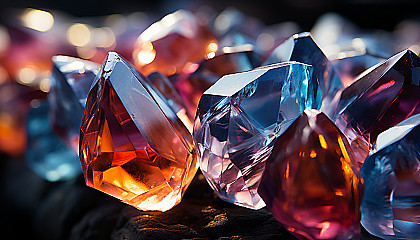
(380, 98)
(239, 117)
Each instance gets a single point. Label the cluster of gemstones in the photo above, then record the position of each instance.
(325, 142)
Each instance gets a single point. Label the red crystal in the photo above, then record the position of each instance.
(311, 182)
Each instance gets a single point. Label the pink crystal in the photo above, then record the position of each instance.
(311, 182)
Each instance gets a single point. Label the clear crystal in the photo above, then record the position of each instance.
(238, 119)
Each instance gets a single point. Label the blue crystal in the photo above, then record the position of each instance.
(70, 83)
(46, 154)
(239, 117)
(391, 203)
(302, 48)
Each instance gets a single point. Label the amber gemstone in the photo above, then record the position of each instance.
(132, 145)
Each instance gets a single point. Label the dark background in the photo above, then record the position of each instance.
(377, 14)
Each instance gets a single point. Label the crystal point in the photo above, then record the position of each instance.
(380, 98)
(302, 48)
(238, 118)
(132, 145)
(390, 206)
(311, 182)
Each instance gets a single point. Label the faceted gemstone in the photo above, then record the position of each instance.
(380, 98)
(132, 144)
(391, 203)
(197, 78)
(311, 183)
(238, 119)
(70, 83)
(165, 86)
(302, 48)
(46, 154)
(167, 45)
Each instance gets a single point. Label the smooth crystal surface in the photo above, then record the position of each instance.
(311, 182)
(46, 154)
(380, 98)
(302, 48)
(132, 145)
(71, 79)
(238, 119)
(167, 45)
(391, 203)
(197, 78)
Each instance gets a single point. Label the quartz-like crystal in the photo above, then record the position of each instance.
(46, 154)
(311, 183)
(197, 78)
(391, 203)
(70, 83)
(302, 48)
(132, 144)
(380, 98)
(237, 120)
(167, 45)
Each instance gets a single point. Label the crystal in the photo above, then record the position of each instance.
(380, 98)
(165, 86)
(167, 45)
(302, 48)
(197, 78)
(311, 183)
(46, 154)
(238, 119)
(391, 203)
(132, 144)
(71, 79)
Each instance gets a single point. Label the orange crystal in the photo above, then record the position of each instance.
(169, 44)
(132, 145)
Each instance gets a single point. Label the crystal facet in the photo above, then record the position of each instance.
(302, 48)
(132, 145)
(70, 83)
(237, 120)
(380, 98)
(46, 154)
(311, 182)
(391, 203)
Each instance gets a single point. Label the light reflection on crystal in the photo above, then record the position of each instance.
(390, 206)
(70, 83)
(311, 182)
(132, 145)
(237, 120)
(167, 45)
(380, 98)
